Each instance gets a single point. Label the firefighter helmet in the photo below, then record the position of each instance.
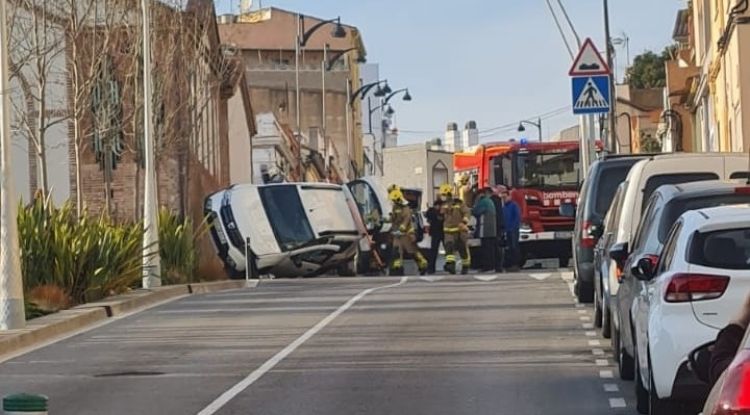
(396, 196)
(446, 190)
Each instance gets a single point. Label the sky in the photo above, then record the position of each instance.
(493, 61)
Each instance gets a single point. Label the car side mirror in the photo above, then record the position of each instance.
(644, 267)
(567, 210)
(619, 253)
(699, 361)
(596, 231)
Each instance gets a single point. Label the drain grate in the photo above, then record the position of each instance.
(129, 373)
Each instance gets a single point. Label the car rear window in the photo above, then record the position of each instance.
(740, 175)
(654, 182)
(725, 249)
(609, 179)
(677, 207)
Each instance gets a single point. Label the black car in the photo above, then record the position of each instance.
(593, 203)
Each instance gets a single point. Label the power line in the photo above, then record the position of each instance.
(546, 115)
(560, 29)
(570, 23)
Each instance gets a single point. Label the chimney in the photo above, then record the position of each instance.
(470, 137)
(452, 138)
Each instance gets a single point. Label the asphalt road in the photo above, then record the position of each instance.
(507, 344)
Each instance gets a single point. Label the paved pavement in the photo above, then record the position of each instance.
(481, 344)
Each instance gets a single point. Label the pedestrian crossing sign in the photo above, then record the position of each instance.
(591, 94)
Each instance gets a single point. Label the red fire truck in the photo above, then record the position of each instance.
(541, 176)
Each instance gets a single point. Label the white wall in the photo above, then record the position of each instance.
(240, 168)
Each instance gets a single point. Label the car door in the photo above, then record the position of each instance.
(369, 204)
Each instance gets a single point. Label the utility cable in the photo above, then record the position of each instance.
(570, 23)
(560, 29)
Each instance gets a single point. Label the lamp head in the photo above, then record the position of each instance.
(387, 89)
(407, 96)
(338, 31)
(521, 128)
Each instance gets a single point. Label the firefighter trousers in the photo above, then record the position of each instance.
(457, 242)
(407, 244)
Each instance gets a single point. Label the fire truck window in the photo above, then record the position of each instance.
(552, 170)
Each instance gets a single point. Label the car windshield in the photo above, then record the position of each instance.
(676, 208)
(548, 170)
(726, 249)
(609, 179)
(287, 216)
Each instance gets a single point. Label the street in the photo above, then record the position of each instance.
(478, 344)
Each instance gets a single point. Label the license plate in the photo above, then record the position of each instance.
(563, 235)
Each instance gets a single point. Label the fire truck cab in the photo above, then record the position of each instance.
(541, 177)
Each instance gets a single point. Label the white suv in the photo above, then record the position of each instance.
(701, 280)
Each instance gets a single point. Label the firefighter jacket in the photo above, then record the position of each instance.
(456, 216)
(401, 220)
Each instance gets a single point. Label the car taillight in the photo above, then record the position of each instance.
(734, 398)
(695, 287)
(587, 240)
(745, 190)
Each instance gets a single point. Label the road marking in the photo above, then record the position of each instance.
(485, 278)
(245, 383)
(588, 326)
(585, 318)
(606, 374)
(611, 387)
(597, 352)
(431, 278)
(595, 343)
(540, 276)
(582, 311)
(591, 334)
(617, 403)
(579, 305)
(602, 362)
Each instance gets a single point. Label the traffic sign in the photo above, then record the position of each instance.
(589, 61)
(591, 94)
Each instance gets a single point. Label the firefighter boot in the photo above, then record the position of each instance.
(465, 265)
(421, 263)
(450, 266)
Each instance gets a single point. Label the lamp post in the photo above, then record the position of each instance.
(407, 96)
(151, 259)
(537, 124)
(301, 40)
(12, 310)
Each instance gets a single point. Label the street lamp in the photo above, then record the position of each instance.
(303, 36)
(12, 310)
(151, 259)
(361, 93)
(407, 96)
(623, 41)
(537, 124)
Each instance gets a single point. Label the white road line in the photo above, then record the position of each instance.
(540, 276)
(235, 390)
(595, 343)
(617, 403)
(606, 374)
(611, 387)
(582, 311)
(590, 334)
(585, 318)
(588, 326)
(580, 305)
(602, 362)
(485, 278)
(597, 352)
(431, 278)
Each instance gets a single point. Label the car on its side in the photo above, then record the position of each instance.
(594, 200)
(699, 281)
(293, 229)
(643, 179)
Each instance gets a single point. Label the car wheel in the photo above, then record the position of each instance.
(659, 406)
(625, 363)
(347, 269)
(564, 262)
(584, 291)
(606, 321)
(597, 311)
(642, 395)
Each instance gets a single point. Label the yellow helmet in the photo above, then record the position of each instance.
(393, 187)
(446, 190)
(464, 178)
(395, 195)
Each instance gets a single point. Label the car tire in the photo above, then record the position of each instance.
(233, 274)
(347, 269)
(606, 322)
(584, 291)
(625, 364)
(659, 406)
(598, 313)
(642, 395)
(564, 262)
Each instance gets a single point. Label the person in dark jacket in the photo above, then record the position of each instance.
(435, 219)
(512, 221)
(728, 342)
(500, 226)
(484, 210)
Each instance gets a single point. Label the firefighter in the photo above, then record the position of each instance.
(404, 236)
(456, 229)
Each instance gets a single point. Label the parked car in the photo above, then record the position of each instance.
(729, 395)
(594, 200)
(643, 179)
(606, 274)
(294, 229)
(690, 292)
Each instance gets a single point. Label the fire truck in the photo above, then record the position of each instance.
(541, 177)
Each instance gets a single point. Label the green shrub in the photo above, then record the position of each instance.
(178, 247)
(88, 257)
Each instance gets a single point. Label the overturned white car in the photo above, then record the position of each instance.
(291, 229)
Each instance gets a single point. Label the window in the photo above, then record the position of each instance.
(644, 241)
(286, 216)
(667, 256)
(675, 209)
(605, 191)
(548, 170)
(367, 204)
(654, 182)
(616, 208)
(439, 178)
(740, 175)
(725, 249)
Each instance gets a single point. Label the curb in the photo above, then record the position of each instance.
(55, 326)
